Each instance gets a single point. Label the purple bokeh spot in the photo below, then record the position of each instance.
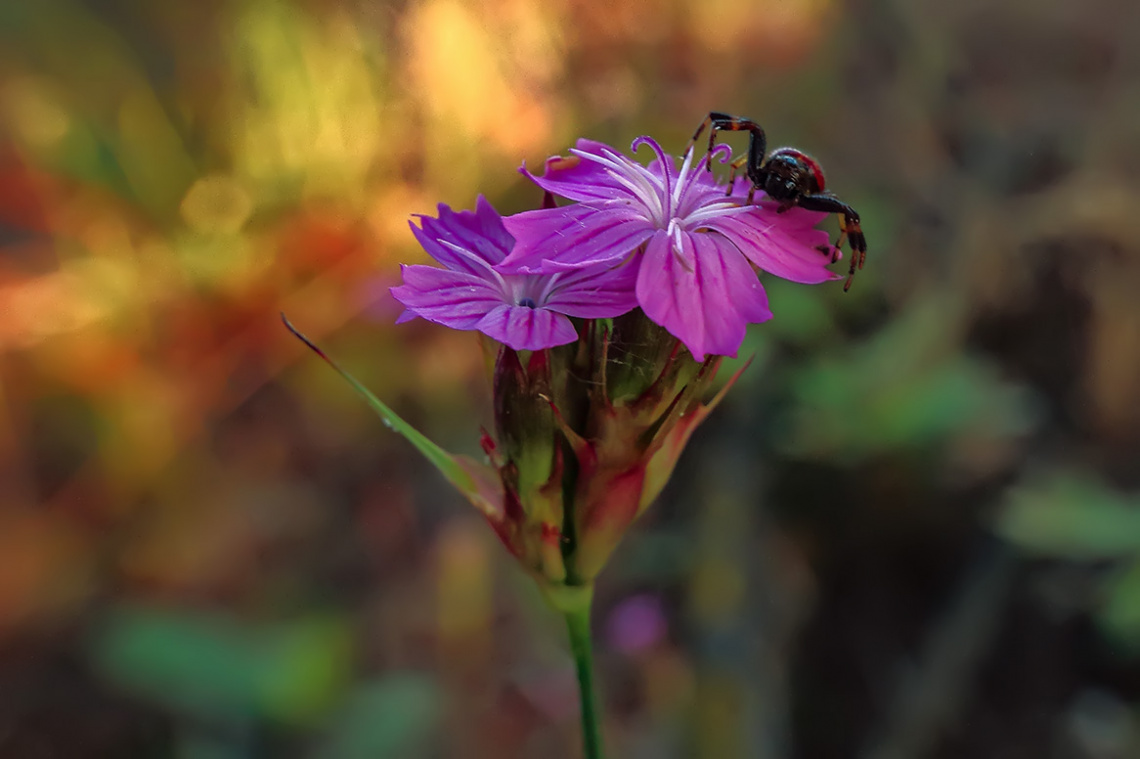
(636, 624)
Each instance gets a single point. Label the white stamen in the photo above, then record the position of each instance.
(634, 178)
(715, 210)
(682, 185)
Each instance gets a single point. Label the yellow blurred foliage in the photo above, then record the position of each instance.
(311, 115)
(33, 112)
(481, 83)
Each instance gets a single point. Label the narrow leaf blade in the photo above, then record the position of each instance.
(449, 466)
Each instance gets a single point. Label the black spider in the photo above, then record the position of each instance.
(791, 178)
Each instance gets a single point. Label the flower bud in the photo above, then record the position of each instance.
(588, 436)
(530, 461)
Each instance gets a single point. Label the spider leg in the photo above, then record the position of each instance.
(708, 123)
(842, 234)
(849, 228)
(735, 167)
(829, 250)
(723, 122)
(714, 122)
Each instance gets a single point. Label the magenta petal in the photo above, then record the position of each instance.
(525, 310)
(455, 299)
(789, 252)
(481, 232)
(576, 178)
(691, 301)
(596, 293)
(574, 236)
(794, 217)
(742, 287)
(524, 328)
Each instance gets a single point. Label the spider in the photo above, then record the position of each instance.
(791, 178)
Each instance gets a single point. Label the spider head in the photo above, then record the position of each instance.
(790, 174)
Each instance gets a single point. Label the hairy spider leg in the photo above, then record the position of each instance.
(848, 228)
(696, 135)
(829, 250)
(734, 168)
(723, 122)
(709, 121)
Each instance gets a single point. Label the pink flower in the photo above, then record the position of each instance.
(478, 290)
(692, 246)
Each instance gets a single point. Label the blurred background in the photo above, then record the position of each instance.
(913, 529)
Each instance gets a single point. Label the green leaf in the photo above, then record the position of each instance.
(802, 318)
(905, 388)
(1119, 617)
(475, 481)
(213, 666)
(1072, 516)
(394, 717)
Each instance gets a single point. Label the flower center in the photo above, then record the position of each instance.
(528, 290)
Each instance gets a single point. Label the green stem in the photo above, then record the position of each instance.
(578, 623)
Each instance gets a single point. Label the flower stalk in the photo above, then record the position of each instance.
(581, 645)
